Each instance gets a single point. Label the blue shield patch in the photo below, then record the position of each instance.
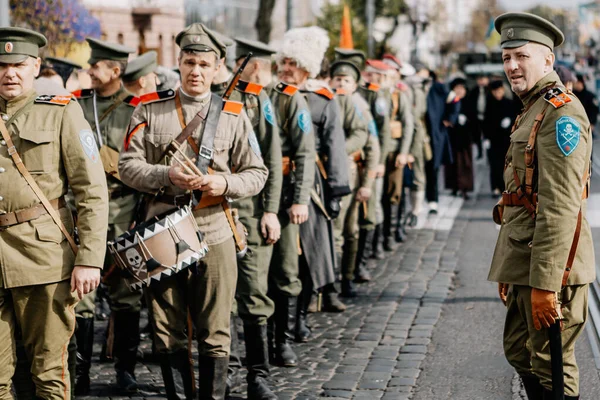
(373, 128)
(254, 144)
(304, 121)
(268, 112)
(568, 133)
(381, 106)
(86, 137)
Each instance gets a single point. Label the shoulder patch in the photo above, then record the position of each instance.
(381, 106)
(341, 92)
(90, 148)
(568, 133)
(268, 112)
(132, 101)
(304, 121)
(59, 100)
(373, 87)
(157, 96)
(254, 144)
(325, 93)
(286, 89)
(557, 97)
(373, 128)
(83, 93)
(249, 87)
(232, 107)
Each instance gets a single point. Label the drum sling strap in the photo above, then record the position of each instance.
(204, 153)
(12, 151)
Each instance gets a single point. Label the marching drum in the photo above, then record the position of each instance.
(159, 248)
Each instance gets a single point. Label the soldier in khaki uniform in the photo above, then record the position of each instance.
(107, 107)
(207, 290)
(344, 79)
(60, 155)
(140, 77)
(544, 257)
(259, 216)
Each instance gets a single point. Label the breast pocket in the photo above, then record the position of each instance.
(37, 150)
(156, 144)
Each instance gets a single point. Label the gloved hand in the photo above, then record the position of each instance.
(334, 206)
(544, 308)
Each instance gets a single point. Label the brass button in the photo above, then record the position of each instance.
(4, 117)
(3, 142)
(1, 198)
(2, 170)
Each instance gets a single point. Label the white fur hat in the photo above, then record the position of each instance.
(305, 45)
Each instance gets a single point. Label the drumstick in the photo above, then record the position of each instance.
(182, 164)
(186, 158)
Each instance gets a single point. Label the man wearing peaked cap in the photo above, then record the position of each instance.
(140, 77)
(108, 107)
(63, 67)
(221, 80)
(544, 257)
(41, 265)
(232, 168)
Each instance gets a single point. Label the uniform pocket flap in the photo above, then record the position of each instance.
(521, 233)
(49, 232)
(38, 136)
(160, 138)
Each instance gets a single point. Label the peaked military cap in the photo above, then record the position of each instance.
(16, 44)
(59, 62)
(102, 50)
(140, 66)
(344, 68)
(199, 38)
(517, 29)
(258, 49)
(356, 57)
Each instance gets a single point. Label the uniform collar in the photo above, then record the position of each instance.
(197, 101)
(115, 95)
(532, 95)
(9, 107)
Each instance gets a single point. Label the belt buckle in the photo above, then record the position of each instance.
(177, 197)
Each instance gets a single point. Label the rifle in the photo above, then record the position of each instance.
(236, 77)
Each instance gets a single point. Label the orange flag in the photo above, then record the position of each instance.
(346, 31)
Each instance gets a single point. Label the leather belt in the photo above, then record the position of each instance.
(287, 166)
(356, 156)
(29, 214)
(121, 192)
(513, 199)
(185, 199)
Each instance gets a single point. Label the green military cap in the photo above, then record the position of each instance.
(102, 50)
(200, 38)
(140, 66)
(16, 44)
(356, 57)
(344, 68)
(258, 49)
(59, 62)
(517, 29)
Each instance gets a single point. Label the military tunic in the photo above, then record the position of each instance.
(210, 292)
(533, 253)
(420, 136)
(52, 137)
(298, 147)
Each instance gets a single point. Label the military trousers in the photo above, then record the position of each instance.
(284, 270)
(205, 292)
(121, 297)
(253, 304)
(528, 350)
(45, 314)
(345, 226)
(379, 198)
(368, 220)
(418, 167)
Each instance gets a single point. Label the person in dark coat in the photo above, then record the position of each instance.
(587, 98)
(441, 113)
(474, 105)
(462, 134)
(500, 115)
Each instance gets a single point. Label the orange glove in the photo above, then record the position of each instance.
(503, 291)
(544, 308)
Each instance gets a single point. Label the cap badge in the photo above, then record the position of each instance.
(196, 39)
(510, 33)
(8, 47)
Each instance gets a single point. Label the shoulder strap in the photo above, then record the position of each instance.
(205, 154)
(34, 186)
(112, 107)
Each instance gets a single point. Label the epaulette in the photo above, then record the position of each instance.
(59, 100)
(325, 93)
(286, 89)
(83, 93)
(373, 87)
(341, 92)
(249, 87)
(232, 107)
(557, 97)
(132, 100)
(157, 96)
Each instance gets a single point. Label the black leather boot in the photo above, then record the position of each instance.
(303, 332)
(235, 363)
(377, 251)
(548, 395)
(348, 289)
(331, 302)
(399, 234)
(212, 377)
(533, 387)
(285, 318)
(84, 336)
(178, 375)
(255, 337)
(387, 243)
(127, 339)
(365, 243)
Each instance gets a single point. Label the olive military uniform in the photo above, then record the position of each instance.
(208, 294)
(418, 146)
(545, 192)
(56, 146)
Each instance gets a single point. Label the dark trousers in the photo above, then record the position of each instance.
(431, 189)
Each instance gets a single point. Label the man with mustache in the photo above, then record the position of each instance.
(41, 265)
(544, 257)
